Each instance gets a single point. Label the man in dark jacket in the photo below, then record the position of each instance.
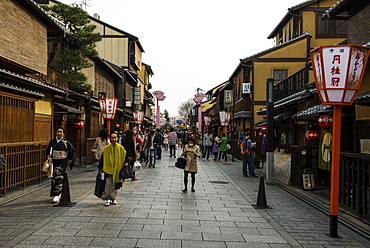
(158, 143)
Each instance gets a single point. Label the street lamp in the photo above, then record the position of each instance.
(138, 118)
(224, 119)
(108, 107)
(160, 97)
(198, 98)
(338, 72)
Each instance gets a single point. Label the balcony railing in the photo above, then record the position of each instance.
(293, 84)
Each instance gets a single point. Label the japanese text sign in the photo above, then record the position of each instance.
(338, 72)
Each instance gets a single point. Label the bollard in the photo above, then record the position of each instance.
(65, 200)
(261, 199)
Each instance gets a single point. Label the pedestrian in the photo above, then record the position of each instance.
(145, 151)
(62, 153)
(121, 136)
(138, 145)
(158, 143)
(129, 145)
(207, 145)
(215, 150)
(223, 142)
(100, 142)
(112, 161)
(165, 140)
(172, 141)
(191, 151)
(247, 146)
(199, 141)
(152, 149)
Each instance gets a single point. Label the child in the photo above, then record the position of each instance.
(215, 150)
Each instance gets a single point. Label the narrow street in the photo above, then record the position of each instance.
(153, 212)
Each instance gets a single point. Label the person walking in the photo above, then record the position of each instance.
(165, 140)
(172, 141)
(207, 145)
(158, 143)
(223, 142)
(100, 142)
(215, 150)
(152, 149)
(129, 145)
(247, 146)
(111, 163)
(62, 153)
(191, 151)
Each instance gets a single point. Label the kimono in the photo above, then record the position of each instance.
(60, 152)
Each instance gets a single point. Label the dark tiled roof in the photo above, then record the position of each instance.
(67, 108)
(20, 89)
(313, 112)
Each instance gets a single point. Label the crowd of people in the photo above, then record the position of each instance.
(123, 148)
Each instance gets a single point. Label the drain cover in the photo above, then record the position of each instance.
(219, 182)
(171, 166)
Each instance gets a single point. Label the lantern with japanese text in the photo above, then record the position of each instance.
(338, 72)
(108, 107)
(312, 135)
(224, 119)
(325, 121)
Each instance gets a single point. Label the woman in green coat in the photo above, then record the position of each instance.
(223, 142)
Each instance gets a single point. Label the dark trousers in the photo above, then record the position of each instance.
(173, 150)
(222, 155)
(207, 151)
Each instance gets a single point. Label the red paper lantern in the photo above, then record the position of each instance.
(312, 135)
(260, 133)
(325, 121)
(117, 125)
(79, 124)
(264, 129)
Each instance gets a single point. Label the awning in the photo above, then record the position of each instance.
(68, 109)
(313, 113)
(363, 99)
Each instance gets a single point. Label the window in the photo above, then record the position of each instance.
(330, 28)
(280, 74)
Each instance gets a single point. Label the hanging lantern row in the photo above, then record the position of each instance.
(325, 121)
(312, 135)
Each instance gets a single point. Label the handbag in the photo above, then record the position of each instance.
(137, 166)
(228, 147)
(99, 185)
(47, 164)
(95, 145)
(181, 162)
(126, 172)
(50, 171)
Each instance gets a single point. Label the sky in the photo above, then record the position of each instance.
(195, 43)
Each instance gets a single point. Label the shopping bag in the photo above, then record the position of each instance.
(137, 166)
(47, 164)
(99, 185)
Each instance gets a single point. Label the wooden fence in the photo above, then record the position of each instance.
(24, 163)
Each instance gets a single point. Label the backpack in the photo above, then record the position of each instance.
(243, 147)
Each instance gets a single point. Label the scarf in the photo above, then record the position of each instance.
(113, 160)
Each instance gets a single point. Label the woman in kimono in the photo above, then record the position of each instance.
(63, 153)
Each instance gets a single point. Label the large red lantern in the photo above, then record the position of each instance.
(312, 135)
(79, 123)
(325, 121)
(264, 129)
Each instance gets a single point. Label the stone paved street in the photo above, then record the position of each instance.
(154, 212)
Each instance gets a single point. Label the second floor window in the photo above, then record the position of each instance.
(330, 28)
(280, 74)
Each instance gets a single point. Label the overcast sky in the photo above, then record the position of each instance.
(195, 43)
